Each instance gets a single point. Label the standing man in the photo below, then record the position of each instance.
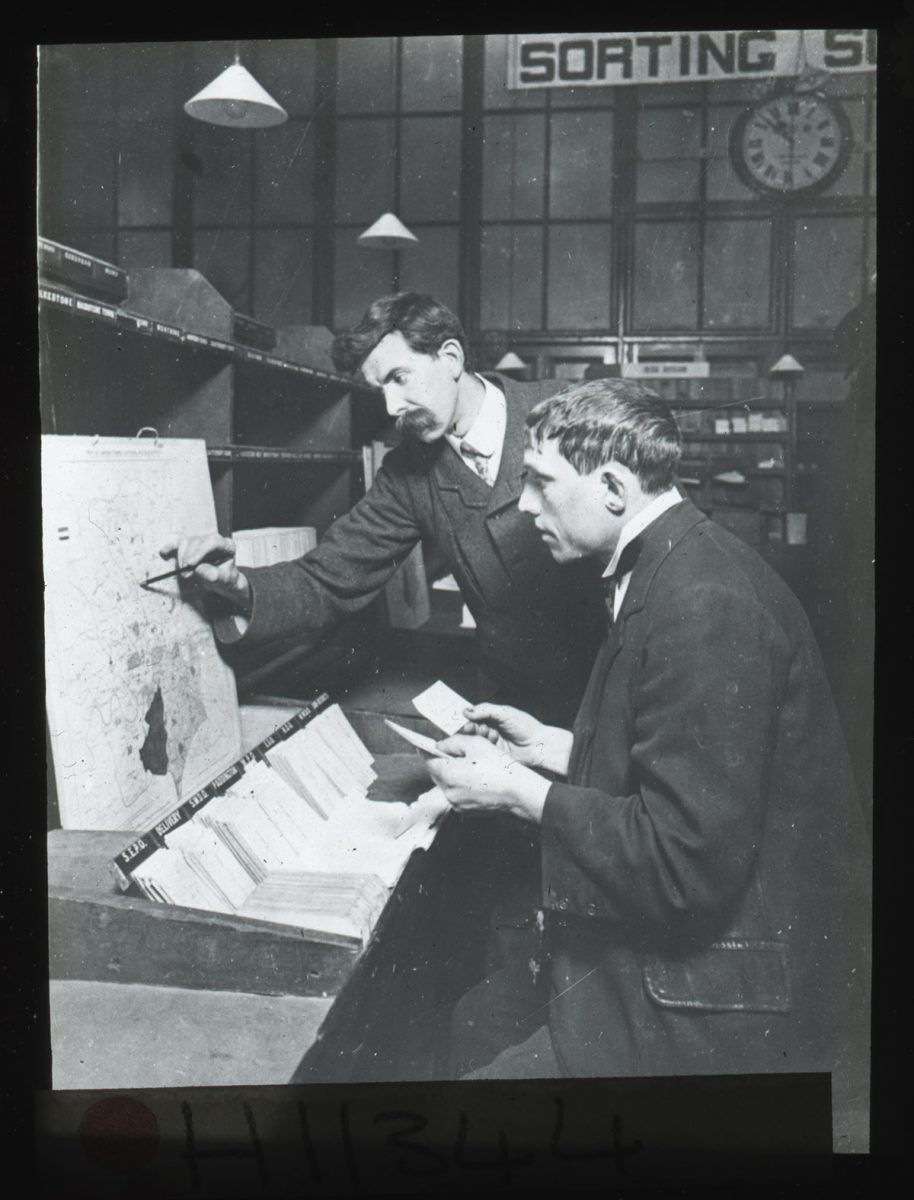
(454, 481)
(697, 872)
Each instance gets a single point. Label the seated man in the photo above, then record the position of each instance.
(695, 851)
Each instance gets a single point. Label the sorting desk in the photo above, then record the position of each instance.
(371, 1012)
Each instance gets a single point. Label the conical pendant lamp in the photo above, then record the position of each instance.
(786, 365)
(387, 233)
(235, 98)
(510, 362)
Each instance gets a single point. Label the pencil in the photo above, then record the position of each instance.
(167, 575)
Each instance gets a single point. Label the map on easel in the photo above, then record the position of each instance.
(142, 710)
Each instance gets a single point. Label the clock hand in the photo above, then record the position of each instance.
(779, 128)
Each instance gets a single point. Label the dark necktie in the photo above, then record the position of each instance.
(626, 563)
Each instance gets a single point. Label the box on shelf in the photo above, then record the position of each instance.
(182, 297)
(308, 345)
(253, 333)
(84, 272)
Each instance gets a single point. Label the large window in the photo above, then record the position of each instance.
(609, 204)
(398, 149)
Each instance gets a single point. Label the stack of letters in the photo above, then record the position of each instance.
(287, 834)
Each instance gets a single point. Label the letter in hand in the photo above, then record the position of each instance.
(514, 732)
(209, 562)
(480, 777)
(474, 776)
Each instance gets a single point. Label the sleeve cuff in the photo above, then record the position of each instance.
(230, 627)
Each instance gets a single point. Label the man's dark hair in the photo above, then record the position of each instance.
(424, 322)
(611, 419)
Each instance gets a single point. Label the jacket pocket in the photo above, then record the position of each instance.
(736, 975)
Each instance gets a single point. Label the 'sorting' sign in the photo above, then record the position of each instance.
(598, 59)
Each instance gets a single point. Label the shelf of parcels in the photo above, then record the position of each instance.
(54, 297)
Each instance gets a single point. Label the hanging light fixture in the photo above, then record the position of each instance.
(510, 362)
(236, 99)
(786, 366)
(387, 233)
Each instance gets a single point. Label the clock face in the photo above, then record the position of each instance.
(791, 144)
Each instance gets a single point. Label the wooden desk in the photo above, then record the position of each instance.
(365, 1012)
(368, 1013)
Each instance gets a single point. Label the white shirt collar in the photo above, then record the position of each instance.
(487, 433)
(639, 522)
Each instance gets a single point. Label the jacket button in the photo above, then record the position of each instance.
(591, 910)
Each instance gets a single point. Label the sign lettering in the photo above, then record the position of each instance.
(599, 59)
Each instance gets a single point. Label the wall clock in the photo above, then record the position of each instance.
(791, 144)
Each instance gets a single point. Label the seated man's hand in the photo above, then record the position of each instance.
(214, 568)
(519, 735)
(480, 777)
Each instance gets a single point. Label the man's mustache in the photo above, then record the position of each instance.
(415, 421)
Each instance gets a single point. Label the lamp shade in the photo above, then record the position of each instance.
(235, 98)
(510, 362)
(786, 365)
(387, 233)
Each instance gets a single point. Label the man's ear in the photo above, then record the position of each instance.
(615, 488)
(451, 352)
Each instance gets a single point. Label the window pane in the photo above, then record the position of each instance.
(850, 181)
(669, 140)
(665, 133)
(495, 93)
(828, 269)
(287, 69)
(365, 74)
(432, 72)
(76, 83)
(433, 265)
(583, 97)
(580, 164)
(670, 182)
(142, 249)
(145, 158)
(284, 176)
(721, 180)
(737, 274)
(579, 265)
(666, 276)
(222, 256)
(360, 276)
(430, 168)
(364, 169)
(283, 276)
(512, 277)
(149, 76)
(513, 166)
(222, 175)
(77, 180)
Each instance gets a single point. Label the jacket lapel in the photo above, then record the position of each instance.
(509, 484)
(657, 542)
(452, 475)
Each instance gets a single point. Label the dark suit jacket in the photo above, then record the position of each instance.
(696, 867)
(538, 623)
